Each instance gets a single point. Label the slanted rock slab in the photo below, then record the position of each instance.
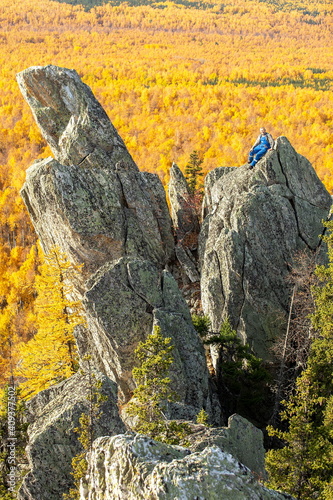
(53, 442)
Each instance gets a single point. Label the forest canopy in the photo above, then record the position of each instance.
(173, 80)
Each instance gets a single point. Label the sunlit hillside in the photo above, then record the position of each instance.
(173, 78)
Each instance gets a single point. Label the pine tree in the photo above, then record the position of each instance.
(50, 356)
(149, 404)
(242, 377)
(193, 172)
(304, 466)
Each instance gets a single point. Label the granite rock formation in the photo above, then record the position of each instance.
(186, 228)
(240, 438)
(183, 213)
(54, 414)
(256, 221)
(134, 467)
(94, 203)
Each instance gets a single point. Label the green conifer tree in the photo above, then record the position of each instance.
(193, 172)
(149, 404)
(242, 377)
(304, 466)
(203, 418)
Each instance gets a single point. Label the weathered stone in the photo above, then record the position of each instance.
(92, 202)
(156, 193)
(183, 213)
(187, 227)
(90, 216)
(260, 218)
(53, 443)
(124, 302)
(188, 263)
(79, 210)
(71, 120)
(241, 439)
(133, 467)
(211, 197)
(117, 318)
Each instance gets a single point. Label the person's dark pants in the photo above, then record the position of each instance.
(256, 153)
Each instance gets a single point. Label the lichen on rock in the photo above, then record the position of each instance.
(54, 414)
(134, 467)
(256, 221)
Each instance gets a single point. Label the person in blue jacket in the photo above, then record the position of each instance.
(263, 144)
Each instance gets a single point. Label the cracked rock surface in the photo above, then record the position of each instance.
(54, 414)
(133, 467)
(92, 202)
(255, 222)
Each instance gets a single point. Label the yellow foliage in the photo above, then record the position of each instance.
(173, 80)
(17, 272)
(50, 356)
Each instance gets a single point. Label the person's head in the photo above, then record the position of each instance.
(263, 130)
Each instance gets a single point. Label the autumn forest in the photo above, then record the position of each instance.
(174, 78)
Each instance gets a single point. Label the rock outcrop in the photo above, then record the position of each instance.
(73, 123)
(54, 414)
(241, 439)
(94, 203)
(134, 467)
(183, 211)
(257, 220)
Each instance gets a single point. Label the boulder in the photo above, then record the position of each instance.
(123, 302)
(54, 414)
(240, 438)
(134, 467)
(257, 221)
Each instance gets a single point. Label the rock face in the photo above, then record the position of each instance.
(183, 213)
(123, 302)
(134, 467)
(241, 439)
(71, 120)
(55, 414)
(93, 203)
(256, 221)
(186, 226)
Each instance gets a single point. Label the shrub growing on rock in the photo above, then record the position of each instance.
(149, 404)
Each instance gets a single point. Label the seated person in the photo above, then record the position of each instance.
(263, 144)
